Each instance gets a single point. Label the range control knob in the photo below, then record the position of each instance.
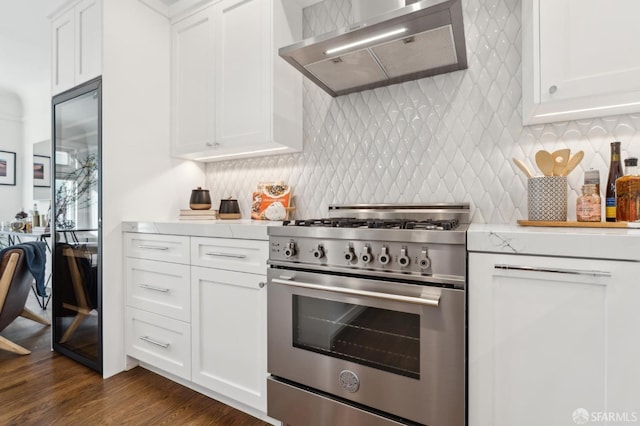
(366, 256)
(384, 257)
(290, 250)
(403, 259)
(424, 262)
(350, 255)
(318, 252)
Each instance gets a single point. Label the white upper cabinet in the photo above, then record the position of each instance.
(63, 64)
(76, 37)
(232, 95)
(243, 73)
(193, 107)
(581, 59)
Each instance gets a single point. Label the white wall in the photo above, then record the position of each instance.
(37, 128)
(140, 179)
(11, 141)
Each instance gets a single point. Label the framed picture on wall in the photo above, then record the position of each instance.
(41, 171)
(7, 168)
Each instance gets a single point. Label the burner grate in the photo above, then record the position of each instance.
(351, 222)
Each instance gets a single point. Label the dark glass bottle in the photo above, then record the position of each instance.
(615, 171)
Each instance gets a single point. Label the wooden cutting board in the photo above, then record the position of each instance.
(573, 224)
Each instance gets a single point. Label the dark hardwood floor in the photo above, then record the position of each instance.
(45, 388)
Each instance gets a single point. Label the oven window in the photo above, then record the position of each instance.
(379, 338)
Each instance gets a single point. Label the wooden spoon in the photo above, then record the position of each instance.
(523, 167)
(560, 160)
(573, 162)
(544, 161)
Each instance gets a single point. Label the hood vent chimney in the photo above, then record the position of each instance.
(418, 40)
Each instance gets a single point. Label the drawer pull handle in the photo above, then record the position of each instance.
(150, 287)
(155, 342)
(148, 247)
(261, 284)
(554, 270)
(219, 254)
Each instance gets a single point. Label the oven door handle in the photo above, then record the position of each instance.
(433, 301)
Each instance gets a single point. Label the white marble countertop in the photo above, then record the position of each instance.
(246, 229)
(594, 243)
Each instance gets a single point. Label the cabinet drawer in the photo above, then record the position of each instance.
(234, 255)
(159, 287)
(167, 248)
(162, 342)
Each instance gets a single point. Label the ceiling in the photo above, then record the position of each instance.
(25, 42)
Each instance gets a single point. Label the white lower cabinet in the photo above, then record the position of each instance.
(159, 287)
(196, 308)
(229, 334)
(552, 340)
(160, 341)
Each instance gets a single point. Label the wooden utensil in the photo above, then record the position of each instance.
(560, 160)
(544, 161)
(573, 162)
(523, 167)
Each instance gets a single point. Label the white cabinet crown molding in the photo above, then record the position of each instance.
(64, 7)
(175, 10)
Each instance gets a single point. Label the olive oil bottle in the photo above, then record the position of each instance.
(615, 171)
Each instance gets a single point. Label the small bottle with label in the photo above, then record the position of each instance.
(36, 215)
(588, 206)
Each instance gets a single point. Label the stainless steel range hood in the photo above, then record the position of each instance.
(419, 40)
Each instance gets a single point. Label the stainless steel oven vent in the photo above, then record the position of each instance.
(419, 40)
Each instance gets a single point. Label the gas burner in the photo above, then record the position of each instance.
(444, 225)
(334, 222)
(386, 223)
(352, 222)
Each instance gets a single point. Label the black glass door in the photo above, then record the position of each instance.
(76, 219)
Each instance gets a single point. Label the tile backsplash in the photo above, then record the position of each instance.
(448, 138)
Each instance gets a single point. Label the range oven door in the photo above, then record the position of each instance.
(394, 347)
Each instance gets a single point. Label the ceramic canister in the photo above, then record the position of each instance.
(200, 199)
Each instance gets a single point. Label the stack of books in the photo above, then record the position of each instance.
(198, 214)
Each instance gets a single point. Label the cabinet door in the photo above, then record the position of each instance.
(193, 110)
(229, 334)
(62, 56)
(585, 59)
(243, 48)
(541, 343)
(88, 41)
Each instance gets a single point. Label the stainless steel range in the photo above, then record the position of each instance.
(366, 316)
